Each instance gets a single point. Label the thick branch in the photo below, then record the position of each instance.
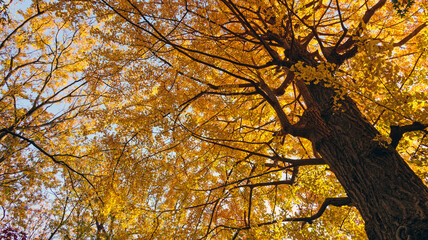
(337, 202)
(297, 162)
(271, 98)
(249, 207)
(366, 18)
(311, 124)
(410, 36)
(231, 86)
(263, 184)
(276, 183)
(281, 89)
(397, 132)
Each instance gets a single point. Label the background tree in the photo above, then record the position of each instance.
(43, 96)
(224, 119)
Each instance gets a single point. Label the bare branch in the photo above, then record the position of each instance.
(337, 202)
(297, 162)
(349, 44)
(410, 36)
(20, 26)
(249, 206)
(50, 156)
(397, 132)
(276, 183)
(281, 89)
(163, 38)
(271, 98)
(275, 56)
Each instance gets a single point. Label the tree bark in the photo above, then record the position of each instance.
(392, 200)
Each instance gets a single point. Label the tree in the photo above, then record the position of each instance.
(42, 97)
(226, 119)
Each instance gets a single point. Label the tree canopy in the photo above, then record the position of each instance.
(216, 119)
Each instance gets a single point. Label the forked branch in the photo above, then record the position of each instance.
(50, 156)
(337, 202)
(397, 132)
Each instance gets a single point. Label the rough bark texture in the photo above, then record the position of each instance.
(392, 200)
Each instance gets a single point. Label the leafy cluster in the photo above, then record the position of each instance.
(402, 7)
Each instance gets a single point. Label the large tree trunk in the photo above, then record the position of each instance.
(392, 200)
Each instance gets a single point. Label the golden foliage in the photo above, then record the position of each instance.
(162, 119)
